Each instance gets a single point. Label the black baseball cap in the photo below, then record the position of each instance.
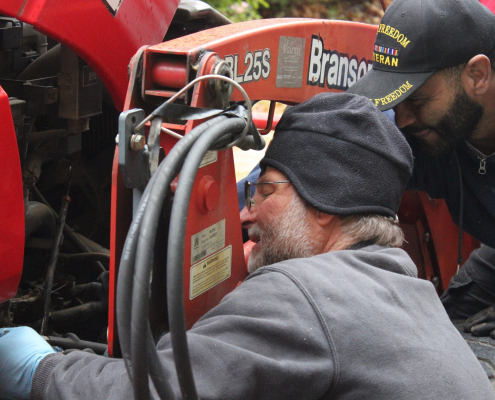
(416, 38)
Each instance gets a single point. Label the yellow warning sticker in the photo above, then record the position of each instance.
(210, 272)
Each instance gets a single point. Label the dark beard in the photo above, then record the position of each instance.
(455, 127)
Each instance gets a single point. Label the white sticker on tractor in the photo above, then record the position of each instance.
(209, 158)
(207, 241)
(113, 5)
(210, 272)
(290, 64)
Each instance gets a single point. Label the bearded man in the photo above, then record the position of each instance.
(440, 81)
(332, 308)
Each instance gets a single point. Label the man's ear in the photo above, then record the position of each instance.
(324, 219)
(476, 75)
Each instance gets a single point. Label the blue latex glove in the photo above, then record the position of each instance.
(21, 350)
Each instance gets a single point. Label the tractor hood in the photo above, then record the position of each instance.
(105, 33)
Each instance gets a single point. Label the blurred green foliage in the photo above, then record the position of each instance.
(239, 10)
(369, 11)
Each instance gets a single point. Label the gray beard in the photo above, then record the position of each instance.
(286, 239)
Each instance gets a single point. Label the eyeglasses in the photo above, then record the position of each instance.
(247, 191)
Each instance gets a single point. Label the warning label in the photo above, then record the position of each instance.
(207, 241)
(210, 272)
(209, 158)
(290, 62)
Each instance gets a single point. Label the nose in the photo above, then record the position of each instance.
(405, 114)
(248, 218)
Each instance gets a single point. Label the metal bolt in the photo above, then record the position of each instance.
(138, 142)
(435, 280)
(426, 237)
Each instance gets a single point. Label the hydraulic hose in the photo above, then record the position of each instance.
(175, 252)
(124, 296)
(144, 262)
(158, 186)
(143, 268)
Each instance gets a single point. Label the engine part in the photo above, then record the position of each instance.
(80, 88)
(71, 341)
(39, 218)
(53, 259)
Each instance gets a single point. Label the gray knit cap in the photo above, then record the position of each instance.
(342, 155)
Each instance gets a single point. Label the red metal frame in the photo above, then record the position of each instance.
(432, 238)
(349, 39)
(105, 41)
(12, 210)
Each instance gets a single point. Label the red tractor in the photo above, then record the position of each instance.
(75, 76)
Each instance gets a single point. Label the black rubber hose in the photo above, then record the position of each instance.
(79, 314)
(86, 257)
(126, 271)
(144, 254)
(72, 343)
(157, 372)
(164, 175)
(125, 281)
(143, 267)
(125, 289)
(175, 252)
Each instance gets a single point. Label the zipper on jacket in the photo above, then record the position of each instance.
(482, 170)
(481, 157)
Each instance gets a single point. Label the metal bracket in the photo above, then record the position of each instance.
(133, 164)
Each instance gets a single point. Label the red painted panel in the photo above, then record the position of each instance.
(12, 206)
(444, 234)
(11, 7)
(104, 41)
(489, 3)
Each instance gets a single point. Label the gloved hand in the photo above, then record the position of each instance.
(482, 323)
(21, 350)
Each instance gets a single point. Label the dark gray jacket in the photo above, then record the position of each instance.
(439, 177)
(351, 324)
